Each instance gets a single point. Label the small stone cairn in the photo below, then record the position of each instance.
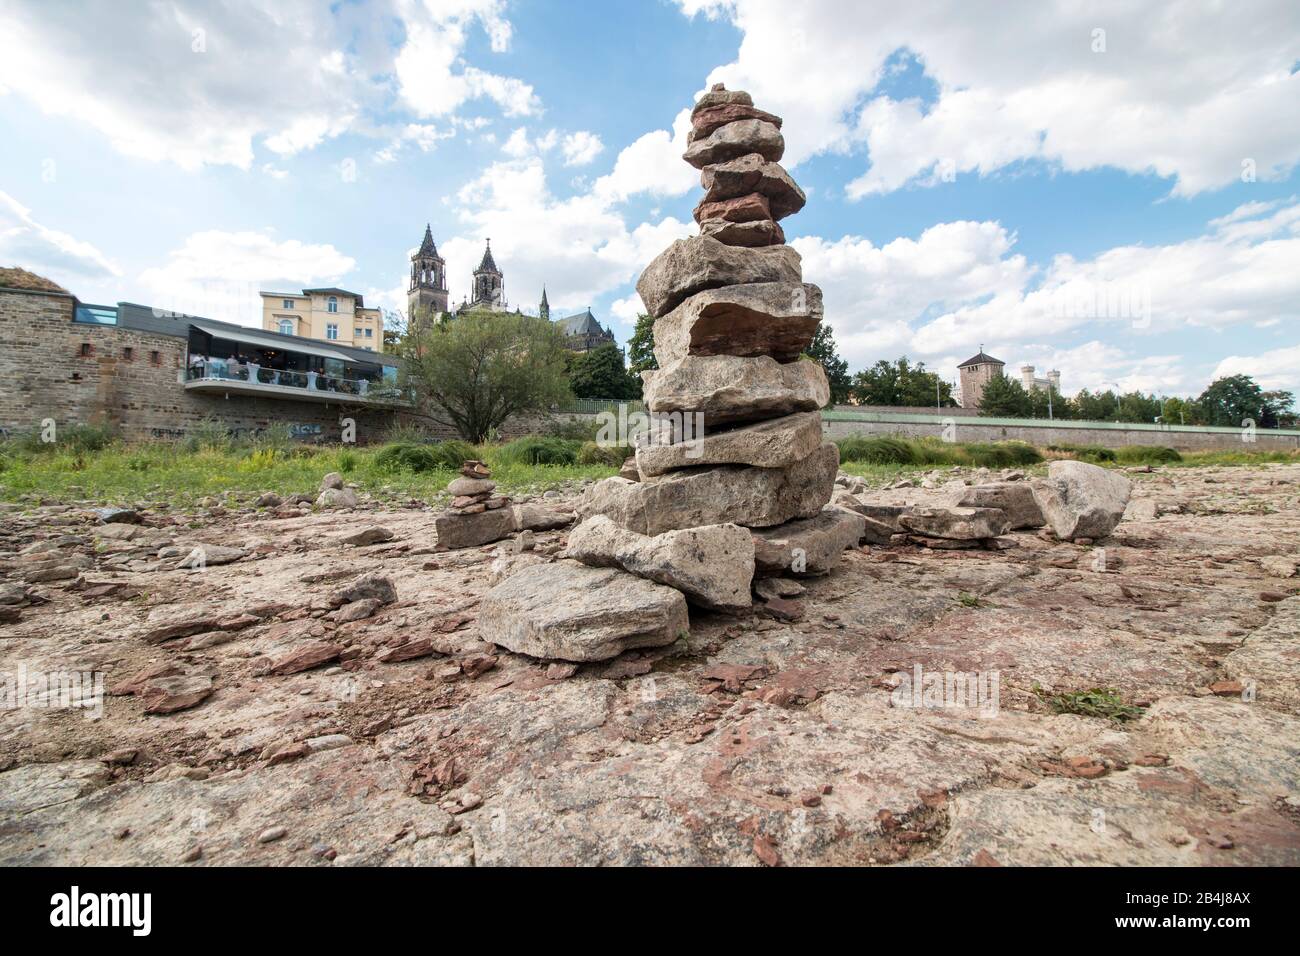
(473, 490)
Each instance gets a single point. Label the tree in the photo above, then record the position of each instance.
(474, 373)
(640, 347)
(1005, 397)
(900, 383)
(1040, 407)
(1101, 407)
(1281, 407)
(822, 349)
(1231, 400)
(600, 373)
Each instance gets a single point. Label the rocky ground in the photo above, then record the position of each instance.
(283, 705)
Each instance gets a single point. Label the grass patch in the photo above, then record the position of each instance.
(970, 600)
(154, 472)
(930, 452)
(1102, 702)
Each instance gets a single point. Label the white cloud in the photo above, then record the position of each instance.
(1187, 92)
(209, 84)
(627, 309)
(219, 274)
(433, 78)
(961, 285)
(26, 243)
(164, 83)
(581, 148)
(578, 247)
(1279, 368)
(652, 164)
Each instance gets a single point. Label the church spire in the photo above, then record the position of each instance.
(427, 248)
(544, 310)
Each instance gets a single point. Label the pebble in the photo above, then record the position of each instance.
(271, 834)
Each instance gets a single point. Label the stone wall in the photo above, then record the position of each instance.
(74, 373)
(1042, 433)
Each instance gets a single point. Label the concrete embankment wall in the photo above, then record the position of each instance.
(1040, 432)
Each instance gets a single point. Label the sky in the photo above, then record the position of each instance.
(1109, 189)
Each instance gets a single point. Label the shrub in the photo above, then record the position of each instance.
(1008, 454)
(453, 453)
(593, 454)
(407, 434)
(347, 462)
(1146, 455)
(877, 450)
(540, 450)
(1093, 453)
(406, 456)
(208, 433)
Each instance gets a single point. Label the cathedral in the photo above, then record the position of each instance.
(427, 296)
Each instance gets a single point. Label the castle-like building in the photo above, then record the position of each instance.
(427, 296)
(980, 369)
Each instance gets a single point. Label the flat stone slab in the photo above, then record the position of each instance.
(754, 497)
(1014, 498)
(712, 565)
(692, 265)
(764, 318)
(568, 611)
(759, 232)
(727, 388)
(811, 546)
(955, 524)
(775, 443)
(472, 530)
(1080, 500)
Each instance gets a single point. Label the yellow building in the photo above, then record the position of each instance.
(329, 315)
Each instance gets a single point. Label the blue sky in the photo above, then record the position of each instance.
(1105, 188)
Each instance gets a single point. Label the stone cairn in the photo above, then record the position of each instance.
(476, 514)
(735, 477)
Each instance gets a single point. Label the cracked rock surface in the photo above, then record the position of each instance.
(409, 736)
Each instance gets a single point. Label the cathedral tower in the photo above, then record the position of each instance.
(489, 283)
(428, 290)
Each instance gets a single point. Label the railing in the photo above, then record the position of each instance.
(220, 371)
(594, 406)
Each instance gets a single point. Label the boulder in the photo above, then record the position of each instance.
(759, 318)
(1080, 500)
(811, 546)
(1015, 498)
(471, 530)
(337, 498)
(734, 140)
(761, 232)
(332, 480)
(956, 524)
(726, 388)
(529, 517)
(712, 565)
(705, 121)
(775, 443)
(366, 536)
(692, 265)
(568, 611)
(752, 174)
(753, 497)
(371, 586)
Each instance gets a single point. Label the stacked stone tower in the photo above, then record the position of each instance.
(736, 485)
(732, 317)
